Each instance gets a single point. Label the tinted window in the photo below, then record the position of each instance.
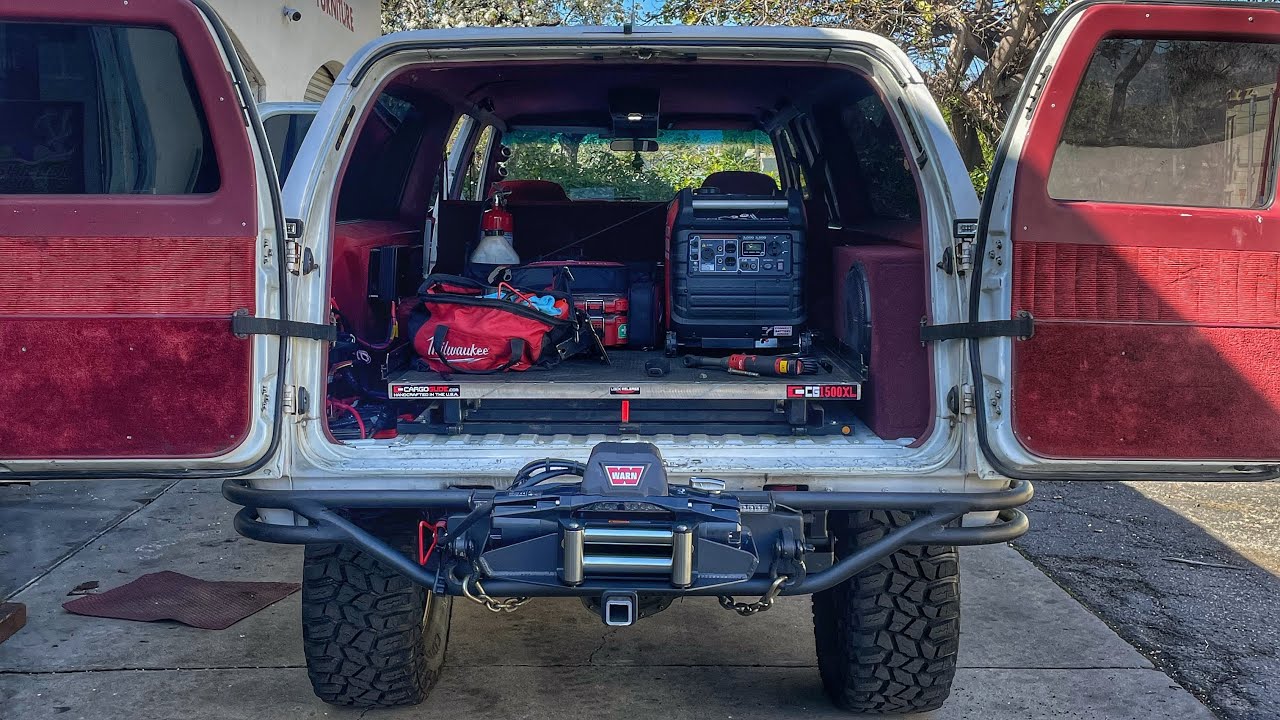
(99, 109)
(1171, 122)
(285, 133)
(380, 163)
(474, 168)
(882, 162)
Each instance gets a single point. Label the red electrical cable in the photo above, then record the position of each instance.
(359, 420)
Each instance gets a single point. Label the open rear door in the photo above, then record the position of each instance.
(138, 219)
(1131, 213)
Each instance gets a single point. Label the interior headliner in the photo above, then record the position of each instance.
(693, 94)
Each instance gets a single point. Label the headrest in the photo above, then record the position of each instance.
(530, 190)
(741, 182)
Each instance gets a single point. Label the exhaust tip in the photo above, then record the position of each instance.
(618, 609)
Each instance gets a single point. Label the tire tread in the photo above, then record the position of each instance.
(888, 637)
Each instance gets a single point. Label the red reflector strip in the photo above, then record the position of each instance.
(626, 412)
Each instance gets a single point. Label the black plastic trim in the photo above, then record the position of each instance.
(243, 325)
(1021, 327)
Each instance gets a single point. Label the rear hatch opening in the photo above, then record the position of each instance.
(821, 134)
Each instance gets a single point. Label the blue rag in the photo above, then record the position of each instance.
(541, 303)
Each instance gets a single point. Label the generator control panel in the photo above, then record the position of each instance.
(763, 254)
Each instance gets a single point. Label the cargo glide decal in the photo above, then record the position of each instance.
(825, 392)
(625, 475)
(406, 391)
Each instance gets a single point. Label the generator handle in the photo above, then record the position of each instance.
(726, 204)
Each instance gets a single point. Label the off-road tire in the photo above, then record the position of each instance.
(887, 637)
(372, 637)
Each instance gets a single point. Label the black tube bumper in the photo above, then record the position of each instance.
(932, 526)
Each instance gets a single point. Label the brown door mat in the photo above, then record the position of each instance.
(208, 604)
(12, 617)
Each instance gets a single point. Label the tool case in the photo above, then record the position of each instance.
(737, 265)
(621, 300)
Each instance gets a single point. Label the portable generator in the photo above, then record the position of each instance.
(736, 265)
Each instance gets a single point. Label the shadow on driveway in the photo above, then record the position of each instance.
(1118, 548)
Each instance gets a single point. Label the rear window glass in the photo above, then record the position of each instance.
(588, 170)
(1171, 122)
(92, 109)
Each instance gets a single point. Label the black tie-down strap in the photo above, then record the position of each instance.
(243, 325)
(1022, 327)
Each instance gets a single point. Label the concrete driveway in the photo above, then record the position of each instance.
(1028, 649)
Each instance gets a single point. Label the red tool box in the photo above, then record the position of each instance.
(608, 315)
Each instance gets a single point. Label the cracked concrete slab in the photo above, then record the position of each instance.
(600, 693)
(43, 523)
(1028, 649)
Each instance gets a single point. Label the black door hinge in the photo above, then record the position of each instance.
(1021, 327)
(243, 325)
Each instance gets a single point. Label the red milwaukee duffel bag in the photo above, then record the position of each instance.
(456, 328)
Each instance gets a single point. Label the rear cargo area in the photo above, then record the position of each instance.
(807, 250)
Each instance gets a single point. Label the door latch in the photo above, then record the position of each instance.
(296, 400)
(961, 400)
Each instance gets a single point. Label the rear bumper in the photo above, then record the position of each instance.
(933, 525)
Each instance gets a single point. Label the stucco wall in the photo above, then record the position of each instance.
(286, 53)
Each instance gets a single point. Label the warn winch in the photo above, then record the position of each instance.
(616, 528)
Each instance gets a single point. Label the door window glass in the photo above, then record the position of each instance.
(92, 109)
(284, 133)
(1171, 122)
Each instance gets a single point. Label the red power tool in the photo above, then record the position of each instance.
(771, 365)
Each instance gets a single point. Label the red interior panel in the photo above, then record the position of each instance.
(1157, 327)
(352, 242)
(117, 386)
(143, 276)
(115, 309)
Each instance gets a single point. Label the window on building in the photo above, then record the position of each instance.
(1171, 122)
(93, 109)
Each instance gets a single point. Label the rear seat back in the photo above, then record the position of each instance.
(741, 182)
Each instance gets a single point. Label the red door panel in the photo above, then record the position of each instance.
(116, 297)
(1152, 274)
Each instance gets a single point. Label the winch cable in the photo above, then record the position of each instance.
(556, 466)
(550, 468)
(599, 232)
